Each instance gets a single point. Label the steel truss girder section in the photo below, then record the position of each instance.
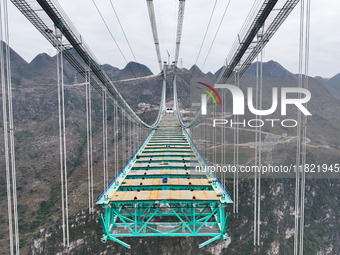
(146, 219)
(254, 47)
(268, 33)
(152, 18)
(257, 23)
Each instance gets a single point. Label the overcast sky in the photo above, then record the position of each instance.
(283, 48)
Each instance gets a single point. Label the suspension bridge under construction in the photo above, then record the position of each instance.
(159, 190)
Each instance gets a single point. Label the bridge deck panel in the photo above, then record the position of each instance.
(169, 155)
(170, 181)
(164, 195)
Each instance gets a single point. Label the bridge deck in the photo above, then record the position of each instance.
(159, 192)
(171, 181)
(164, 195)
(165, 169)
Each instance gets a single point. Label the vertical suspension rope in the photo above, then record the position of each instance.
(7, 155)
(298, 139)
(11, 133)
(224, 137)
(304, 126)
(259, 151)
(116, 137)
(64, 145)
(214, 141)
(131, 137)
(61, 143)
(134, 136)
(126, 128)
(222, 141)
(301, 137)
(123, 137)
(128, 138)
(105, 151)
(62, 139)
(91, 148)
(132, 144)
(237, 147)
(234, 162)
(205, 139)
(127, 131)
(87, 85)
(133, 127)
(133, 141)
(137, 136)
(256, 150)
(122, 134)
(8, 125)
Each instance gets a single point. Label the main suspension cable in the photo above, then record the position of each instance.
(179, 28)
(217, 31)
(121, 27)
(152, 17)
(206, 31)
(109, 30)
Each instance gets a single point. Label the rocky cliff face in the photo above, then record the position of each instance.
(322, 235)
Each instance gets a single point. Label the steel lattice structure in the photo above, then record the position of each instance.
(159, 192)
(152, 17)
(179, 28)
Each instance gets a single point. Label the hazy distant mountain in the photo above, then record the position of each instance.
(195, 71)
(270, 69)
(333, 85)
(43, 70)
(17, 62)
(131, 70)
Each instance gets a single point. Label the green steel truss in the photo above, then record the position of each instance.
(168, 152)
(155, 218)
